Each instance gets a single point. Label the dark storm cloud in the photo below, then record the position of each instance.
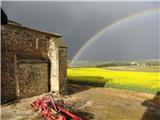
(76, 21)
(135, 39)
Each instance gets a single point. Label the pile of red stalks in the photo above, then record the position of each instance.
(53, 110)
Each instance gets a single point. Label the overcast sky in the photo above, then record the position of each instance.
(79, 21)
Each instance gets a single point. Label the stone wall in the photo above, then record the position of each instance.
(20, 43)
(8, 83)
(32, 79)
(23, 41)
(17, 42)
(62, 69)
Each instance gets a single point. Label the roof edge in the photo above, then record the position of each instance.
(30, 28)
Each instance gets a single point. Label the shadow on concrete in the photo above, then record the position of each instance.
(76, 88)
(85, 115)
(10, 103)
(153, 108)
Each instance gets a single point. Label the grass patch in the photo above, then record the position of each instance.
(130, 80)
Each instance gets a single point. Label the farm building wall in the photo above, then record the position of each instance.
(32, 78)
(27, 64)
(63, 72)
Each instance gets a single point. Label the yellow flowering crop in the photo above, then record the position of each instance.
(137, 81)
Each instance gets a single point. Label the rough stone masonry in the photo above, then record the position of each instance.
(32, 62)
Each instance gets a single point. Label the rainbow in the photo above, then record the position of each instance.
(111, 26)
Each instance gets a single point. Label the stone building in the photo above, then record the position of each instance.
(32, 62)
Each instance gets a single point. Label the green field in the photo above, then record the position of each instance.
(102, 77)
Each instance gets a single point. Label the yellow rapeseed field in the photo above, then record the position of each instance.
(136, 81)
